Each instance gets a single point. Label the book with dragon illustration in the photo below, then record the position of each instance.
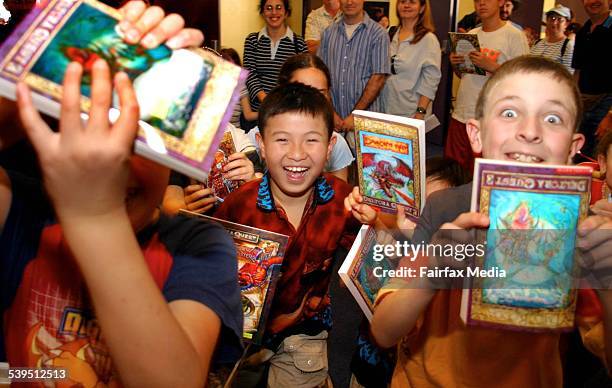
(221, 186)
(463, 44)
(186, 97)
(534, 211)
(391, 161)
(260, 256)
(364, 273)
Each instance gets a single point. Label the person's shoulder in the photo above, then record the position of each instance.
(511, 29)
(430, 39)
(246, 192)
(193, 236)
(252, 37)
(340, 187)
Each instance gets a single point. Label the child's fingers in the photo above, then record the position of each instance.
(357, 195)
(234, 164)
(131, 11)
(101, 96)
(35, 127)
(168, 27)
(130, 112)
(347, 204)
(237, 156)
(70, 114)
(150, 18)
(187, 37)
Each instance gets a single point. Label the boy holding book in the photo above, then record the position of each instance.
(527, 112)
(99, 284)
(297, 199)
(499, 41)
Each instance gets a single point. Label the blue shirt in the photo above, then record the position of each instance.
(353, 61)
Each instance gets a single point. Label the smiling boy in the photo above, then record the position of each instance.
(526, 112)
(295, 198)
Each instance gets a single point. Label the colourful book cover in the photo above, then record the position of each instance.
(221, 186)
(391, 161)
(534, 211)
(260, 256)
(186, 97)
(363, 273)
(463, 44)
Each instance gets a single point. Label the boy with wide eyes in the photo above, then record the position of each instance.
(297, 199)
(528, 111)
(100, 284)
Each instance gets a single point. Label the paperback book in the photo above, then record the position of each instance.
(534, 211)
(463, 44)
(391, 161)
(186, 97)
(221, 186)
(363, 273)
(260, 256)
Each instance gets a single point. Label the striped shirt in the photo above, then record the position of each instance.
(553, 51)
(264, 63)
(353, 61)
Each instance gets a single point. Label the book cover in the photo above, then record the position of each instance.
(186, 97)
(221, 186)
(362, 273)
(534, 211)
(463, 44)
(260, 256)
(391, 161)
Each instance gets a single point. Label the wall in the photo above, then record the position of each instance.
(238, 18)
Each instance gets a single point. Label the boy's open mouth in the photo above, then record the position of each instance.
(295, 172)
(524, 158)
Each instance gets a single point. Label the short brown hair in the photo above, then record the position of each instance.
(531, 64)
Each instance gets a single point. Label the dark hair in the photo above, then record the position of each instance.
(424, 23)
(262, 5)
(302, 61)
(438, 168)
(299, 98)
(516, 4)
(604, 144)
(573, 28)
(229, 54)
(527, 64)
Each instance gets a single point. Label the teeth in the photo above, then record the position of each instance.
(524, 158)
(296, 169)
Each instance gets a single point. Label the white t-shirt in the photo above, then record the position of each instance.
(501, 45)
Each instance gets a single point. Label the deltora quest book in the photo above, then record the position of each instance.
(260, 256)
(186, 97)
(391, 161)
(534, 211)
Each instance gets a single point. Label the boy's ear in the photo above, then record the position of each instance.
(474, 133)
(330, 146)
(577, 143)
(260, 142)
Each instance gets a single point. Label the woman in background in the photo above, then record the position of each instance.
(415, 61)
(556, 45)
(266, 51)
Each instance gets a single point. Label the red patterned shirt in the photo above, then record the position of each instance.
(301, 302)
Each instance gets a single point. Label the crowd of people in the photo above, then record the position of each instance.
(102, 277)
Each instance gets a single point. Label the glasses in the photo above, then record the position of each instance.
(393, 65)
(553, 18)
(269, 8)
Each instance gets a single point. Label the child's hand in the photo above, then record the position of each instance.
(595, 245)
(405, 225)
(483, 61)
(199, 199)
(456, 59)
(151, 27)
(602, 208)
(85, 166)
(239, 168)
(362, 212)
